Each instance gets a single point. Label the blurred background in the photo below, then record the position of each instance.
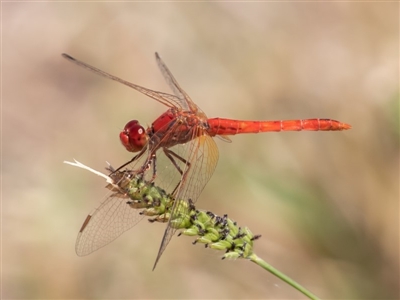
(325, 203)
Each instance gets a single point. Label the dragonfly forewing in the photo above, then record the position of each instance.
(202, 156)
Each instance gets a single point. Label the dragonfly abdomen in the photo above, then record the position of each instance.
(219, 126)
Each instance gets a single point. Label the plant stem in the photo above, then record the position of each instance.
(263, 264)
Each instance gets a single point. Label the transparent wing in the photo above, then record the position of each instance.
(108, 221)
(164, 98)
(185, 100)
(112, 218)
(201, 155)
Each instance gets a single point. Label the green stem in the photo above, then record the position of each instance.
(254, 258)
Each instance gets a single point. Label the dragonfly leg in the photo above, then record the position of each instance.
(171, 154)
(137, 156)
(153, 161)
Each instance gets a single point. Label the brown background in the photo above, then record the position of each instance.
(326, 204)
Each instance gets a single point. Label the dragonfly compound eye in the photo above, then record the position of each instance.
(133, 137)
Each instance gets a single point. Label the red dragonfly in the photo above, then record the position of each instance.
(184, 135)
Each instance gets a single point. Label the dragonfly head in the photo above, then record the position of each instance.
(133, 137)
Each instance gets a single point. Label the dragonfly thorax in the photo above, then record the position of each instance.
(176, 127)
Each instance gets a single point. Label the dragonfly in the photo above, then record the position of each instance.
(184, 136)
